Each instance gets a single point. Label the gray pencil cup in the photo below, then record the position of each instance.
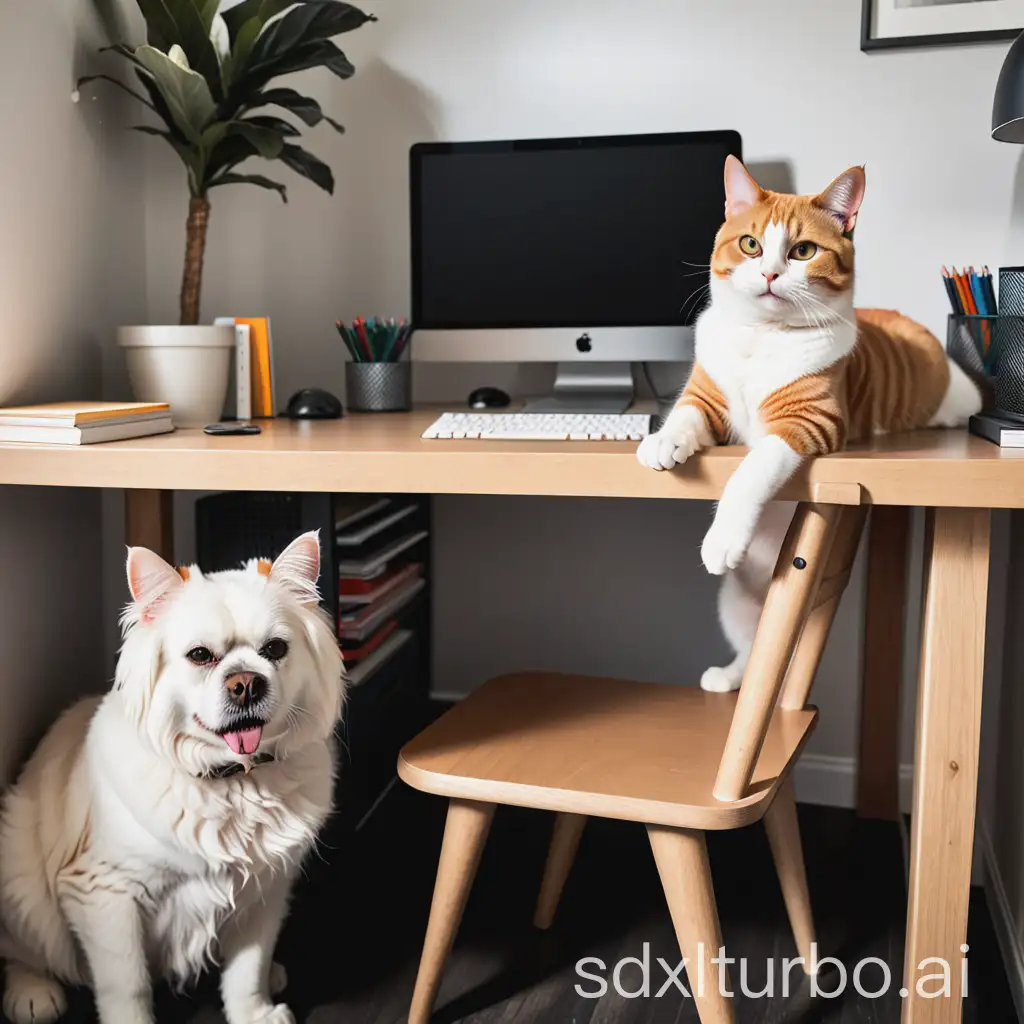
(379, 387)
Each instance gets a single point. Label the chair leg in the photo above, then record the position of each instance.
(784, 837)
(565, 841)
(464, 836)
(682, 859)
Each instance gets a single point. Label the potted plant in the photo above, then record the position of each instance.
(207, 74)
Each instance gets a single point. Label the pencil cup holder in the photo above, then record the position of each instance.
(990, 350)
(379, 387)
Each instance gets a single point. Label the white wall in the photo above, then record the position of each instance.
(790, 77)
(70, 267)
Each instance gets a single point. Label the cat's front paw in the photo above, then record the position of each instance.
(720, 680)
(667, 448)
(725, 545)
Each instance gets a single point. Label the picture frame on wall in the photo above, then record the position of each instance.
(893, 24)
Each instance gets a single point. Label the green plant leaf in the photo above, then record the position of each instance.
(305, 108)
(161, 30)
(267, 142)
(241, 50)
(229, 152)
(276, 124)
(309, 166)
(186, 92)
(207, 12)
(250, 179)
(180, 22)
(321, 53)
(113, 81)
(264, 10)
(160, 104)
(307, 23)
(213, 134)
(123, 51)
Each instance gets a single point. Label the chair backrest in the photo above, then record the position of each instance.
(809, 579)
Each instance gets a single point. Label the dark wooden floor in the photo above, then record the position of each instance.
(352, 941)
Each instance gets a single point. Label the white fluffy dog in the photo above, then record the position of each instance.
(162, 826)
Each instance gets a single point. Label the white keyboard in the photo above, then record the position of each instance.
(538, 426)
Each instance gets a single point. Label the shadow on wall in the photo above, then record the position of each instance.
(1016, 221)
(776, 175)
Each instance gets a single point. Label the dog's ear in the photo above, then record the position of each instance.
(150, 580)
(297, 568)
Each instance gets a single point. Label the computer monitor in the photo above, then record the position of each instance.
(585, 252)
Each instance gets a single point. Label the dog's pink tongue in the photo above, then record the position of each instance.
(244, 741)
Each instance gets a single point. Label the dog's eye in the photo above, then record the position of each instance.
(200, 656)
(274, 650)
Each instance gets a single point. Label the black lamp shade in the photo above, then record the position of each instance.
(1008, 106)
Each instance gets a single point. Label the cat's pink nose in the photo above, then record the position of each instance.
(770, 276)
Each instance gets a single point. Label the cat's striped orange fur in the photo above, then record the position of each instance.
(786, 365)
(894, 379)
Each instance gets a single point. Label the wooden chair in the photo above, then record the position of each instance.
(678, 759)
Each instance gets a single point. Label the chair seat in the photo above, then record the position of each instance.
(601, 747)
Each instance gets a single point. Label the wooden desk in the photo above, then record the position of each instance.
(959, 477)
(384, 452)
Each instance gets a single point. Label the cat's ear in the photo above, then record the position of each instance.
(741, 191)
(843, 197)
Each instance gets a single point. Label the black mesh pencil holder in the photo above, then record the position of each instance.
(379, 387)
(990, 350)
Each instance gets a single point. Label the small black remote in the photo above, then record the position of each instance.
(232, 428)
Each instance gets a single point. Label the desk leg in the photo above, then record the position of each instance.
(149, 521)
(946, 758)
(878, 766)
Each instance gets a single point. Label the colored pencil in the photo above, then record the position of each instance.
(377, 340)
(951, 292)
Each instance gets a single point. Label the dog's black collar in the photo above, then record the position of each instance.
(225, 771)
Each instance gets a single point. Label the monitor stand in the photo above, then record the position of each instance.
(588, 388)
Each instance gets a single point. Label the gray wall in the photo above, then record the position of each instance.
(70, 267)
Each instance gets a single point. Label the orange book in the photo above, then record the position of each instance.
(261, 373)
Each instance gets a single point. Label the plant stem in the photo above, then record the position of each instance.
(195, 246)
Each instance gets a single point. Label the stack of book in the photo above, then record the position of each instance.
(379, 577)
(83, 422)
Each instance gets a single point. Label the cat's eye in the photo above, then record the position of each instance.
(750, 245)
(803, 251)
(274, 650)
(200, 656)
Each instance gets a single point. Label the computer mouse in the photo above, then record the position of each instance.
(313, 404)
(488, 398)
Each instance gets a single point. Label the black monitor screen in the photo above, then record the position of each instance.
(565, 233)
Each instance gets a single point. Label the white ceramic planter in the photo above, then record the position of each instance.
(188, 367)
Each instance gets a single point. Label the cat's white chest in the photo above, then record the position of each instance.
(741, 370)
(749, 362)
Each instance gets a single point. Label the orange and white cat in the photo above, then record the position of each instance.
(785, 364)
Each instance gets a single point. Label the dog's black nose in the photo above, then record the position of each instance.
(245, 688)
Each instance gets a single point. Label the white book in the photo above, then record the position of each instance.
(365, 568)
(353, 538)
(85, 435)
(242, 368)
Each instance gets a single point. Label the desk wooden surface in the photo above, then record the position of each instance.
(384, 453)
